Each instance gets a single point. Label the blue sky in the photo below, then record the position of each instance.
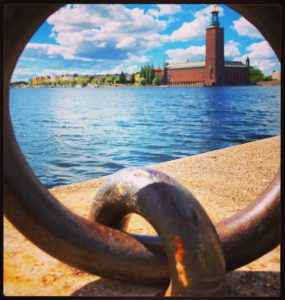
(104, 38)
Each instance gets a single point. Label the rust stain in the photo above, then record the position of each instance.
(182, 276)
(223, 228)
(168, 291)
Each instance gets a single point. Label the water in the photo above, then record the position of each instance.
(70, 135)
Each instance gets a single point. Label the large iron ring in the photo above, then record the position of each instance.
(193, 248)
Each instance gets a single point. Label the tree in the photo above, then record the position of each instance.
(267, 78)
(156, 80)
(82, 81)
(142, 73)
(164, 79)
(114, 78)
(19, 84)
(255, 75)
(152, 75)
(148, 74)
(133, 79)
(117, 80)
(142, 81)
(109, 80)
(122, 78)
(95, 81)
(101, 80)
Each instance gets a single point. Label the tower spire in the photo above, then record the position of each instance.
(247, 62)
(215, 17)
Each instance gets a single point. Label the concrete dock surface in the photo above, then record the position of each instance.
(224, 181)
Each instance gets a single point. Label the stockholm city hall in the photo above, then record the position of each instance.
(214, 70)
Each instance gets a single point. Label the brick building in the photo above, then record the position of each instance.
(214, 70)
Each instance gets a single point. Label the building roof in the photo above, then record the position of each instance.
(235, 64)
(201, 64)
(187, 65)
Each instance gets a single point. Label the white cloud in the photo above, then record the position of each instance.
(129, 65)
(97, 37)
(165, 9)
(52, 51)
(232, 49)
(126, 43)
(245, 28)
(122, 68)
(22, 73)
(132, 58)
(106, 31)
(182, 55)
(196, 28)
(261, 56)
(261, 49)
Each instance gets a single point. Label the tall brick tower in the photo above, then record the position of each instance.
(214, 71)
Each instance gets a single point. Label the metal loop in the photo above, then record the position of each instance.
(188, 236)
(246, 235)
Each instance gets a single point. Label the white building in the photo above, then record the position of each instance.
(276, 75)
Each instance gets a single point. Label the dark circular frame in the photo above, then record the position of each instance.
(99, 249)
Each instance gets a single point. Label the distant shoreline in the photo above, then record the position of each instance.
(261, 83)
(269, 83)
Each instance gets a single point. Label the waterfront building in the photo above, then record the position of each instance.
(214, 70)
(38, 80)
(276, 75)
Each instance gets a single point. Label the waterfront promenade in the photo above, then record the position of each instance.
(224, 181)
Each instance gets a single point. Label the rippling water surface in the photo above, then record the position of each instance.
(70, 135)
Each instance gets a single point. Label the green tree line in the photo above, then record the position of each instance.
(148, 77)
(89, 80)
(256, 75)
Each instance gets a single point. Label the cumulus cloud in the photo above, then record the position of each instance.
(165, 9)
(196, 28)
(52, 51)
(182, 55)
(232, 49)
(97, 37)
(120, 68)
(245, 28)
(261, 56)
(106, 31)
(261, 49)
(21, 73)
(193, 53)
(128, 65)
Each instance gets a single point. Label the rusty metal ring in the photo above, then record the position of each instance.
(193, 248)
(245, 236)
(51, 226)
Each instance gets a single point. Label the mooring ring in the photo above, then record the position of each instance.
(193, 248)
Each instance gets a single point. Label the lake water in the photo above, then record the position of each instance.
(70, 135)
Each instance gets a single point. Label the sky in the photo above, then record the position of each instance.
(106, 39)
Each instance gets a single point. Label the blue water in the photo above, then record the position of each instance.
(70, 135)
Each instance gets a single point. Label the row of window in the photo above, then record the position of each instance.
(186, 82)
